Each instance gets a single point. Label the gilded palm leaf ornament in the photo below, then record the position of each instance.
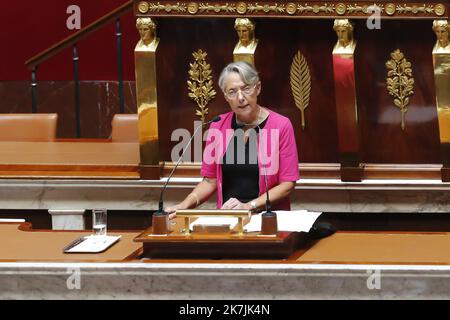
(301, 84)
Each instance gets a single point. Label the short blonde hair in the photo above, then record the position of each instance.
(246, 71)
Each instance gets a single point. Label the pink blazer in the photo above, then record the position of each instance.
(277, 153)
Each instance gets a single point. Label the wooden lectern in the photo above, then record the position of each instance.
(212, 243)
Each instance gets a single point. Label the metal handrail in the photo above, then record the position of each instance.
(41, 57)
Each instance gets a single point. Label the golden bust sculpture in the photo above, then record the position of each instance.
(147, 31)
(245, 29)
(344, 32)
(442, 30)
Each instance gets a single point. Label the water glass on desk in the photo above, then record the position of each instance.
(99, 222)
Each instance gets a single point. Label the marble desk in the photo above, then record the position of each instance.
(346, 265)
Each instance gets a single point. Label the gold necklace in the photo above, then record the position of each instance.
(259, 120)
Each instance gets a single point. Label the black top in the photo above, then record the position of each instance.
(240, 171)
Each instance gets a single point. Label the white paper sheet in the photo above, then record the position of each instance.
(94, 244)
(300, 220)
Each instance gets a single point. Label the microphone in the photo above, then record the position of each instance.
(269, 224)
(269, 212)
(161, 211)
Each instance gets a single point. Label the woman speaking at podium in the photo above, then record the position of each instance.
(248, 145)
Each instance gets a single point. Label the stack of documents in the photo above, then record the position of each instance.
(91, 244)
(299, 221)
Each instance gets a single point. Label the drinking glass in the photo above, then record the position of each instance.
(99, 221)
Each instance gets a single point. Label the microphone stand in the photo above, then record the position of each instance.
(269, 225)
(160, 218)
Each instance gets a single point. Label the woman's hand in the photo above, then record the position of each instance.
(172, 211)
(235, 204)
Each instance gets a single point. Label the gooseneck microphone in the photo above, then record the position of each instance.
(161, 202)
(269, 211)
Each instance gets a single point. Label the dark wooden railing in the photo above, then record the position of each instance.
(34, 63)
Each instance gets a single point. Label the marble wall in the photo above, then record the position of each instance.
(221, 281)
(99, 101)
(320, 195)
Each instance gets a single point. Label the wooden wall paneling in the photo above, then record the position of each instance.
(179, 39)
(383, 140)
(279, 40)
